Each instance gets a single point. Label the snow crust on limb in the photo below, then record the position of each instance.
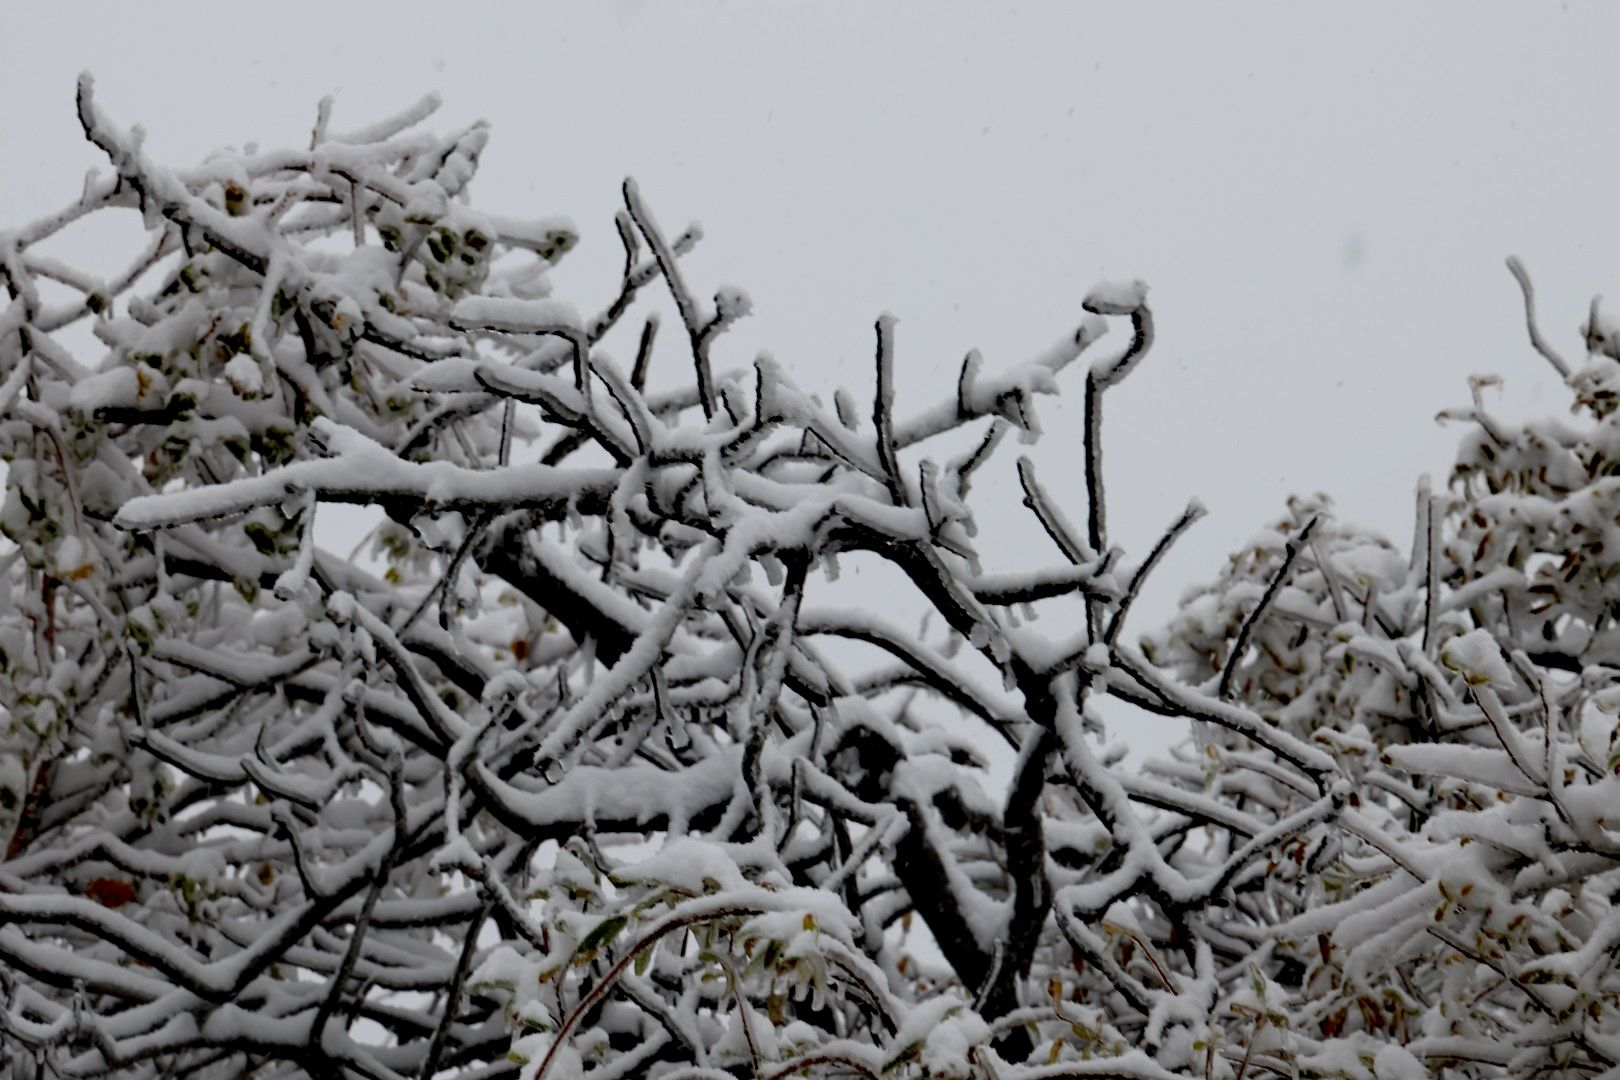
(1116, 297)
(517, 316)
(1476, 657)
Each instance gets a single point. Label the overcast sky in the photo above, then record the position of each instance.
(1321, 201)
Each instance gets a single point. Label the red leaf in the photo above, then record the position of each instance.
(110, 892)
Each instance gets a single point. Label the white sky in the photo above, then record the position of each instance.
(1321, 201)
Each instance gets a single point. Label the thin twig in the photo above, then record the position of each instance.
(1051, 518)
(452, 993)
(1191, 514)
(883, 411)
(677, 287)
(1100, 378)
(1522, 276)
(1241, 644)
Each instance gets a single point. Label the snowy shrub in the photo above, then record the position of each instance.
(1469, 695)
(584, 765)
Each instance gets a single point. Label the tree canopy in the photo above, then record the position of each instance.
(581, 766)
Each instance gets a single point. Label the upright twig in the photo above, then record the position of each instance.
(1240, 644)
(1183, 522)
(1522, 276)
(1106, 300)
(690, 315)
(883, 411)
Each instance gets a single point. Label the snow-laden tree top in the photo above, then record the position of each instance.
(588, 768)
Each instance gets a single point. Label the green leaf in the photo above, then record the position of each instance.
(603, 934)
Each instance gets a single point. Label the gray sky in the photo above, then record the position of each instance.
(1321, 200)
